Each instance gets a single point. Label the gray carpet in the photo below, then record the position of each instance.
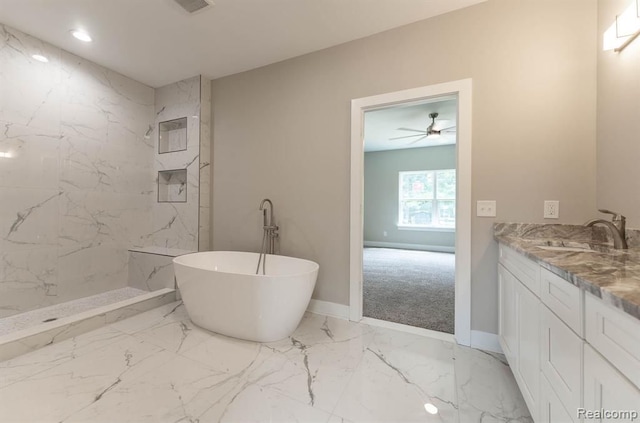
(410, 287)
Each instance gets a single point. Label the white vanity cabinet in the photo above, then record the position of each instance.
(611, 359)
(568, 350)
(605, 388)
(561, 363)
(564, 299)
(552, 410)
(519, 322)
(561, 342)
(507, 313)
(615, 335)
(528, 335)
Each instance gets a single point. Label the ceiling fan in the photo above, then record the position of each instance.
(430, 131)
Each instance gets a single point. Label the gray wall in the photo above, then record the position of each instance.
(283, 131)
(381, 193)
(618, 122)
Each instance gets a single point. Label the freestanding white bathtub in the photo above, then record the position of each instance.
(222, 293)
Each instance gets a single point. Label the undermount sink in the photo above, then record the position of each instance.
(579, 247)
(574, 249)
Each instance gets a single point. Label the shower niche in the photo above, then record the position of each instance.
(172, 186)
(180, 216)
(172, 135)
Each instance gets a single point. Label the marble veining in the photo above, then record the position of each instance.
(175, 224)
(158, 367)
(150, 272)
(205, 166)
(577, 233)
(76, 179)
(612, 275)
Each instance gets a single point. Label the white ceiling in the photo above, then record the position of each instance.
(381, 125)
(157, 42)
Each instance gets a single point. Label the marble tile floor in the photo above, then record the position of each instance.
(35, 317)
(159, 367)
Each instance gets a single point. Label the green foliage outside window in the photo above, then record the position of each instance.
(428, 198)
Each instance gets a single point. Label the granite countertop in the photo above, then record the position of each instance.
(612, 275)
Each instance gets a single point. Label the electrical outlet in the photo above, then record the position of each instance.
(551, 209)
(486, 208)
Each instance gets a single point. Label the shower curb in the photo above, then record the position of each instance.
(30, 339)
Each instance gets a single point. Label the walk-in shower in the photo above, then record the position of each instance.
(88, 226)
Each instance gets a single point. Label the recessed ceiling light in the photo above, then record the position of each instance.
(40, 58)
(81, 35)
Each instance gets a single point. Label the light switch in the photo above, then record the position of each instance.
(486, 208)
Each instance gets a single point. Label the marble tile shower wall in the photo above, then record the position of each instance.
(175, 224)
(76, 176)
(204, 239)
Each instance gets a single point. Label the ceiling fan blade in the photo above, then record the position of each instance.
(419, 139)
(408, 136)
(413, 130)
(445, 129)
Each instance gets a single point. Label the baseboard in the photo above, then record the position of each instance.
(421, 247)
(485, 341)
(327, 308)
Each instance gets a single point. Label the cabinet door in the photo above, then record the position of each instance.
(528, 333)
(564, 299)
(507, 314)
(561, 359)
(615, 335)
(606, 389)
(552, 410)
(526, 271)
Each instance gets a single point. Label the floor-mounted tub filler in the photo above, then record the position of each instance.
(222, 293)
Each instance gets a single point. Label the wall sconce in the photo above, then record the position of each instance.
(624, 30)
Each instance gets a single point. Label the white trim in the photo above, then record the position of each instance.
(463, 90)
(408, 329)
(327, 308)
(356, 230)
(420, 247)
(485, 341)
(424, 228)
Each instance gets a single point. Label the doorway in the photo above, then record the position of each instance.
(412, 214)
(409, 213)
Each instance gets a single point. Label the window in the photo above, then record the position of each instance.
(427, 199)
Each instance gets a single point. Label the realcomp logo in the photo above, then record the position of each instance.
(627, 415)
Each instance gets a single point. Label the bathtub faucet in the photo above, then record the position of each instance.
(269, 235)
(264, 212)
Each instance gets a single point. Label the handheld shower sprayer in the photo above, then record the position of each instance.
(269, 235)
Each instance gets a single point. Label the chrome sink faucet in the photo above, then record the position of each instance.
(616, 227)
